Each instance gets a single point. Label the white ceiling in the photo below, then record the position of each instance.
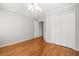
(48, 8)
(53, 7)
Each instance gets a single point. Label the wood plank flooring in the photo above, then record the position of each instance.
(37, 47)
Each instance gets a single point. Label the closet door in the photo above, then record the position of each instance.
(57, 30)
(68, 30)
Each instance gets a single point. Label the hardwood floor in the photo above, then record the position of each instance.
(37, 47)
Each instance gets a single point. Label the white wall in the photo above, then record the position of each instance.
(14, 27)
(36, 28)
(77, 27)
(60, 28)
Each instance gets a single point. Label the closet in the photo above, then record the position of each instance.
(60, 28)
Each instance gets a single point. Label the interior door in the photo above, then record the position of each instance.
(67, 30)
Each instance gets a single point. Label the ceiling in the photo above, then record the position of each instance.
(47, 8)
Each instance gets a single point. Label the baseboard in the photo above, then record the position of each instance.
(32, 39)
(17, 42)
(13, 43)
(63, 46)
(76, 49)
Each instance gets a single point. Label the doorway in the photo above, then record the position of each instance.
(38, 28)
(41, 28)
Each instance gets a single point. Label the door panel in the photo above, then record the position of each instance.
(67, 30)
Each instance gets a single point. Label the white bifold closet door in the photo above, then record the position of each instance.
(60, 29)
(68, 30)
(65, 30)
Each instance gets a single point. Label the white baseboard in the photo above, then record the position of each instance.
(26, 40)
(62, 45)
(14, 42)
(17, 42)
(76, 49)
